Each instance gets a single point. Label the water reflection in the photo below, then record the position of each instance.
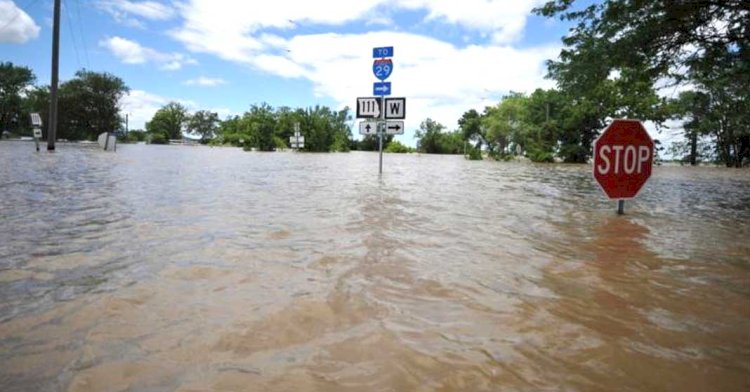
(170, 268)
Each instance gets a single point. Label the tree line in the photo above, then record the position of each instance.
(87, 103)
(621, 52)
(614, 62)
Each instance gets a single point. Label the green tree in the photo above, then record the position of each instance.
(87, 105)
(471, 128)
(432, 140)
(133, 136)
(506, 124)
(396, 147)
(266, 129)
(259, 124)
(286, 119)
(228, 132)
(205, 123)
(657, 37)
(13, 81)
(644, 42)
(428, 136)
(169, 121)
(371, 142)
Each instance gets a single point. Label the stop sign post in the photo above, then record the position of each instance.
(623, 157)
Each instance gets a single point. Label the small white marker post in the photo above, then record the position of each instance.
(36, 122)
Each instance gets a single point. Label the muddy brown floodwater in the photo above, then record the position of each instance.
(165, 268)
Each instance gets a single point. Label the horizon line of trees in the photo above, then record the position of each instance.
(613, 63)
(614, 60)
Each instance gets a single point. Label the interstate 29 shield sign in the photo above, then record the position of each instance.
(382, 68)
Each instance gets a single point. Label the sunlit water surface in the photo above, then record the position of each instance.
(166, 268)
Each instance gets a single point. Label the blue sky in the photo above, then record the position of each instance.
(450, 56)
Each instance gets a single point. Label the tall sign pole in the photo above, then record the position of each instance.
(381, 128)
(382, 68)
(52, 126)
(379, 109)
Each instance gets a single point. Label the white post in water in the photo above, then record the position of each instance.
(36, 122)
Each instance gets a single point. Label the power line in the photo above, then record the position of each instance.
(83, 36)
(72, 36)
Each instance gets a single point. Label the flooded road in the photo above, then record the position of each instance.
(166, 268)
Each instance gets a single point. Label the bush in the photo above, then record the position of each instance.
(159, 138)
(474, 154)
(129, 138)
(398, 148)
(540, 156)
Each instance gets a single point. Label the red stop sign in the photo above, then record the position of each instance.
(623, 155)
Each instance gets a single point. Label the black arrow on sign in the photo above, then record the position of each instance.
(396, 127)
(367, 128)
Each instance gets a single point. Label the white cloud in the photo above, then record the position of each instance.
(131, 52)
(234, 30)
(16, 26)
(140, 107)
(130, 13)
(205, 82)
(440, 80)
(503, 19)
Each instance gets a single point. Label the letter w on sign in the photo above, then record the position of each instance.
(395, 108)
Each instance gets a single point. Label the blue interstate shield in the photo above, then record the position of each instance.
(382, 68)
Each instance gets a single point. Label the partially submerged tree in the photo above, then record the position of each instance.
(88, 105)
(14, 80)
(204, 123)
(169, 121)
(704, 44)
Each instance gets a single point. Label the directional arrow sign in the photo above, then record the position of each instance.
(368, 128)
(381, 88)
(293, 139)
(368, 107)
(394, 127)
(395, 108)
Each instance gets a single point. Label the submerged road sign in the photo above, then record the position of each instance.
(381, 88)
(623, 157)
(368, 107)
(394, 127)
(368, 127)
(395, 108)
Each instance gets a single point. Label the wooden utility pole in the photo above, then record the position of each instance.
(52, 124)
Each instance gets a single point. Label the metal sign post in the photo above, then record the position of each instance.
(297, 141)
(379, 109)
(380, 135)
